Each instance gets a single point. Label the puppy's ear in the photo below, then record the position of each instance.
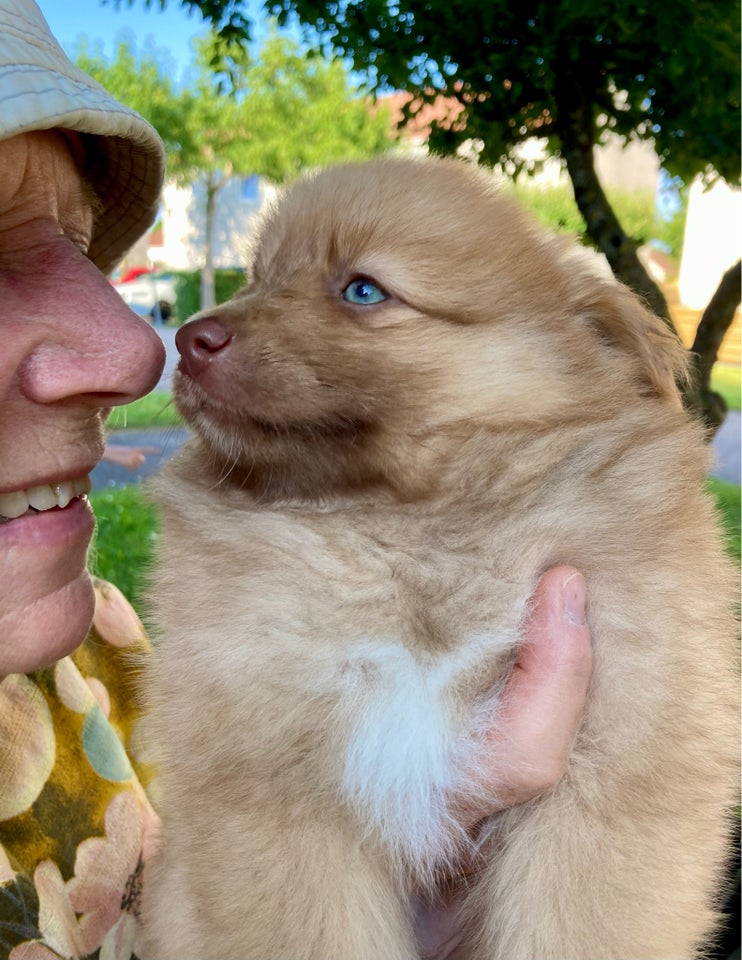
(622, 321)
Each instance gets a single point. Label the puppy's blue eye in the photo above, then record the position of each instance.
(363, 291)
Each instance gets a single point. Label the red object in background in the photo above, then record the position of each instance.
(132, 273)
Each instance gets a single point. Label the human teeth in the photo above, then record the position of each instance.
(43, 497)
(63, 493)
(13, 505)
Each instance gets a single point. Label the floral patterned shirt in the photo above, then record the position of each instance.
(76, 825)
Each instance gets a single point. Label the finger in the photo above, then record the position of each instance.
(527, 746)
(555, 660)
(544, 699)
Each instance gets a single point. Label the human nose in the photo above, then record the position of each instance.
(96, 350)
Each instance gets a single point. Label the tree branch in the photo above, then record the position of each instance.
(576, 128)
(715, 321)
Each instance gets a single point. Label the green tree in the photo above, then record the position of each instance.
(569, 71)
(272, 115)
(142, 80)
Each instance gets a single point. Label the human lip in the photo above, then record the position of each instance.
(42, 497)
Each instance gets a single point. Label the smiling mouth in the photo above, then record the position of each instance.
(48, 496)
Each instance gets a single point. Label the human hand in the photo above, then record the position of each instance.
(532, 732)
(127, 456)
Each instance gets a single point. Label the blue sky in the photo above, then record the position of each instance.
(171, 30)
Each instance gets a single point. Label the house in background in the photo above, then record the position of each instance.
(712, 241)
(238, 205)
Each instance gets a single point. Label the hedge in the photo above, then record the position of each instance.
(227, 281)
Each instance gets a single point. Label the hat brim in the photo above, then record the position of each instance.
(40, 89)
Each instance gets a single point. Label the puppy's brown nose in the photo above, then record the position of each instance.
(199, 342)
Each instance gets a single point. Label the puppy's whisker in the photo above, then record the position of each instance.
(230, 470)
(223, 467)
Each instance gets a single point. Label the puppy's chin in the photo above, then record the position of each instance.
(276, 458)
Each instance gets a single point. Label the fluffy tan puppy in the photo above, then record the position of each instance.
(418, 405)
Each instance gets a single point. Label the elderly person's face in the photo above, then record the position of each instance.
(69, 349)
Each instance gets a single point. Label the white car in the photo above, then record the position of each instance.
(150, 295)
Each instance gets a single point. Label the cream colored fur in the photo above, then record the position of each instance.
(348, 552)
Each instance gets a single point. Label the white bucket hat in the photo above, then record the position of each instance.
(40, 89)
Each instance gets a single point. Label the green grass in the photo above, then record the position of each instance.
(124, 539)
(727, 496)
(725, 379)
(155, 410)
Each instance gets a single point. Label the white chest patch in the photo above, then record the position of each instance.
(412, 739)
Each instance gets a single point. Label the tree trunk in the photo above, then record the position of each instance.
(208, 294)
(715, 321)
(576, 128)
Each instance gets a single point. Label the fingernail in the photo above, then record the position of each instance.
(574, 599)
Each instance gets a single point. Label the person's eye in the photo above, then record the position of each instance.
(82, 244)
(78, 236)
(363, 291)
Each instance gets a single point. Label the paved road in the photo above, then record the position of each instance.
(727, 449)
(112, 475)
